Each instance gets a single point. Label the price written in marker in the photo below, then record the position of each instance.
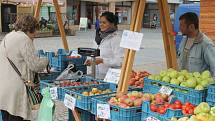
(165, 90)
(150, 118)
(103, 111)
(69, 102)
(113, 75)
(53, 92)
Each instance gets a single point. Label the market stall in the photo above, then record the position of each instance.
(138, 96)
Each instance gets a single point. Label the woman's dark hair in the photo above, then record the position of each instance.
(190, 18)
(110, 17)
(26, 24)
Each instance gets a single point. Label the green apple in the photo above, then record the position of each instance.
(181, 78)
(204, 83)
(152, 77)
(199, 80)
(199, 87)
(170, 69)
(196, 74)
(173, 74)
(184, 72)
(211, 118)
(191, 83)
(203, 107)
(183, 119)
(205, 74)
(175, 81)
(192, 118)
(157, 77)
(212, 111)
(210, 80)
(163, 73)
(183, 84)
(166, 79)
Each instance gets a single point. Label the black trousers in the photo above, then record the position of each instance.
(8, 117)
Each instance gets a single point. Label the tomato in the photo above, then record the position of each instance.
(187, 103)
(172, 106)
(178, 106)
(183, 107)
(178, 102)
(187, 109)
(184, 112)
(161, 110)
(190, 111)
(153, 108)
(166, 105)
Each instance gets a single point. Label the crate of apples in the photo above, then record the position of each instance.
(66, 83)
(136, 78)
(96, 91)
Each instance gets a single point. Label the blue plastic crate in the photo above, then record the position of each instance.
(211, 98)
(117, 113)
(182, 93)
(49, 76)
(211, 88)
(0, 116)
(84, 102)
(84, 115)
(168, 115)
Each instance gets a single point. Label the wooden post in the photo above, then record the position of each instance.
(134, 16)
(60, 24)
(37, 11)
(168, 38)
(137, 28)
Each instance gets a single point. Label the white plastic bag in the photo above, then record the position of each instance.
(68, 73)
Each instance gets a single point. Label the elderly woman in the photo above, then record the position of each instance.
(19, 48)
(108, 41)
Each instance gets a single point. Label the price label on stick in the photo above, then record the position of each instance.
(103, 111)
(53, 92)
(131, 40)
(69, 102)
(165, 90)
(150, 118)
(113, 75)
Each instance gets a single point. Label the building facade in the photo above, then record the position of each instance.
(73, 10)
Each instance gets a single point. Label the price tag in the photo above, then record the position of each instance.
(150, 118)
(53, 92)
(131, 40)
(103, 111)
(165, 90)
(69, 102)
(112, 75)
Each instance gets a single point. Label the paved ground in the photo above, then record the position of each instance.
(151, 57)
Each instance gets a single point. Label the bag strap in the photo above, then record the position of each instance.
(11, 62)
(15, 68)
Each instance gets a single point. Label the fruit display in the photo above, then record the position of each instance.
(66, 83)
(96, 91)
(203, 112)
(182, 78)
(161, 102)
(132, 99)
(136, 78)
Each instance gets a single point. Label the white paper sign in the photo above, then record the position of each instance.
(69, 102)
(53, 92)
(112, 76)
(83, 23)
(150, 118)
(165, 90)
(103, 111)
(131, 40)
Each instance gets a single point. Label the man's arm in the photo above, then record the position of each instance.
(209, 56)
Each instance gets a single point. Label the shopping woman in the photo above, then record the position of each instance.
(108, 41)
(19, 48)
